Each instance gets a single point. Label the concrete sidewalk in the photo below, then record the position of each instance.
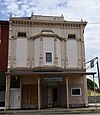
(51, 111)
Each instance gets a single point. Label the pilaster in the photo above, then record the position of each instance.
(55, 52)
(79, 52)
(7, 93)
(67, 92)
(41, 51)
(14, 51)
(66, 54)
(28, 52)
(39, 101)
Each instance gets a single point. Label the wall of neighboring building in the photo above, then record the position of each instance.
(4, 37)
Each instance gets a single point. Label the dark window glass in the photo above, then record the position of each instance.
(71, 36)
(15, 82)
(2, 88)
(2, 81)
(55, 94)
(21, 34)
(48, 57)
(76, 92)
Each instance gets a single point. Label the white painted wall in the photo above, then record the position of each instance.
(48, 46)
(71, 56)
(21, 52)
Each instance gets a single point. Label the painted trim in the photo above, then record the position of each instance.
(76, 88)
(48, 63)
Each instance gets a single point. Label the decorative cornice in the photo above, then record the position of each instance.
(31, 22)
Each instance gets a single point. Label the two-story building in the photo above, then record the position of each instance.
(46, 63)
(4, 38)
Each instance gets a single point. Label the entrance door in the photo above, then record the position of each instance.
(15, 98)
(52, 97)
(49, 97)
(29, 96)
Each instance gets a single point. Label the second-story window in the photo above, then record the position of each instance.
(71, 36)
(21, 34)
(48, 57)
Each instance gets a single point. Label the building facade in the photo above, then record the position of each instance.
(4, 38)
(46, 63)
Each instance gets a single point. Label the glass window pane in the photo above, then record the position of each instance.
(48, 57)
(76, 91)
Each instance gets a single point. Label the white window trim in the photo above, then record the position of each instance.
(76, 88)
(47, 63)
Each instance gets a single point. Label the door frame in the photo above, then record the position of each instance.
(51, 102)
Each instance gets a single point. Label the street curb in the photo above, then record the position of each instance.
(45, 112)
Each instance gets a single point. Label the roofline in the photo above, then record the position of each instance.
(4, 22)
(48, 21)
(34, 20)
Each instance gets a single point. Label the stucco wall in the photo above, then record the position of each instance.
(77, 82)
(63, 54)
(55, 27)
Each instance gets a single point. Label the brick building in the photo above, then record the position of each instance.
(4, 38)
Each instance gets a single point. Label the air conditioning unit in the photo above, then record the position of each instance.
(49, 104)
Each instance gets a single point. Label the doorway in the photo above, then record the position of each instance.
(15, 98)
(29, 96)
(52, 97)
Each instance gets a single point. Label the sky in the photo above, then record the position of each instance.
(72, 10)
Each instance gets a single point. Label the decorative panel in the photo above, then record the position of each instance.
(21, 53)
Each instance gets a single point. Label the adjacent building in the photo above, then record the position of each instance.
(4, 38)
(46, 63)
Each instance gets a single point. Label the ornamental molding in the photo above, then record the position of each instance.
(47, 35)
(30, 22)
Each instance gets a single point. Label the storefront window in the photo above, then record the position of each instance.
(15, 82)
(76, 91)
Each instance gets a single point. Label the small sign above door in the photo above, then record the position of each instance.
(52, 79)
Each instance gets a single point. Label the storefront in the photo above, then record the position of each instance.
(45, 90)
